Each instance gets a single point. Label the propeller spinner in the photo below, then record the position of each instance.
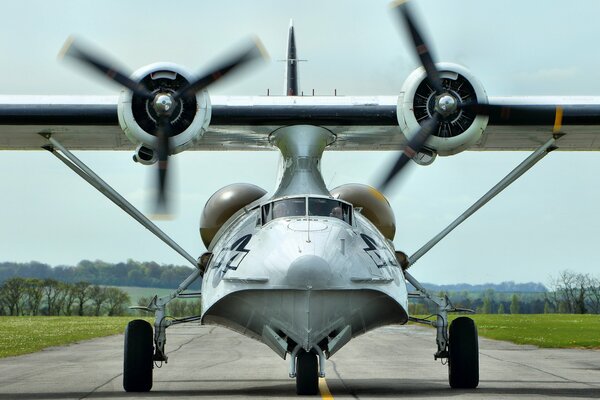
(447, 102)
(164, 102)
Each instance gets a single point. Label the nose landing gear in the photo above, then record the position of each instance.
(307, 373)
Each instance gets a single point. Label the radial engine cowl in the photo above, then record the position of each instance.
(455, 132)
(373, 204)
(138, 119)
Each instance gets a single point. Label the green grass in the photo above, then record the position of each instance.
(542, 330)
(22, 335)
(135, 292)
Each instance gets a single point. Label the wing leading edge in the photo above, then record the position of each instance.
(245, 123)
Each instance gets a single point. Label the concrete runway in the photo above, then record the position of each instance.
(210, 362)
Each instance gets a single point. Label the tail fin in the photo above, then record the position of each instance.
(291, 67)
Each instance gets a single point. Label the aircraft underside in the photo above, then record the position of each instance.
(323, 320)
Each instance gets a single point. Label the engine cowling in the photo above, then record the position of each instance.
(375, 207)
(138, 119)
(456, 132)
(223, 204)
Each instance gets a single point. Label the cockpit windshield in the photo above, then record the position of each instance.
(317, 207)
(330, 208)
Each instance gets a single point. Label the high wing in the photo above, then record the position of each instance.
(245, 123)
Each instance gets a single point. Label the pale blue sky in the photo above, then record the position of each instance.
(544, 223)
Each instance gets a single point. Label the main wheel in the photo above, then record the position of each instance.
(307, 373)
(137, 362)
(463, 360)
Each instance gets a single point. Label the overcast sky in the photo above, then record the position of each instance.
(546, 222)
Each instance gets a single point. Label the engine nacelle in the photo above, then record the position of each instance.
(375, 207)
(137, 117)
(223, 204)
(456, 132)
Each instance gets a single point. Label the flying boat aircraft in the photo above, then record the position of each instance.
(307, 268)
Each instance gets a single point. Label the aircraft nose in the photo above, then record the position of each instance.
(309, 270)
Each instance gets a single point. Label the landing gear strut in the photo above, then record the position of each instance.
(460, 346)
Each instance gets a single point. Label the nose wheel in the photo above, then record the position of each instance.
(307, 373)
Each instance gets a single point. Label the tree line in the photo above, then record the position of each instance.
(31, 296)
(130, 273)
(569, 293)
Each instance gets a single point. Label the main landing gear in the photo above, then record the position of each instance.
(458, 345)
(143, 346)
(137, 361)
(463, 355)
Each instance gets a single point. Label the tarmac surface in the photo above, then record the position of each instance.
(211, 362)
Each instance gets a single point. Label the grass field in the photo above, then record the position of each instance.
(135, 292)
(22, 335)
(542, 330)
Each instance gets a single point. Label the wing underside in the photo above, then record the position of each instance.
(246, 123)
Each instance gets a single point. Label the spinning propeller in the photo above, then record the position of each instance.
(446, 103)
(164, 102)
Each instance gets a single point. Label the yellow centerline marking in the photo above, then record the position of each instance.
(324, 390)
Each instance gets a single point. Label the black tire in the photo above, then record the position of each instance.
(307, 373)
(137, 362)
(463, 360)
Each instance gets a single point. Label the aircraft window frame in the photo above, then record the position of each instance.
(329, 207)
(291, 208)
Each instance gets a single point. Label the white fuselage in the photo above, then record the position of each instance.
(307, 278)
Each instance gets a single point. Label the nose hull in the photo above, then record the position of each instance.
(305, 317)
(309, 271)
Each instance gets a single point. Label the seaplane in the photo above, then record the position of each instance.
(307, 268)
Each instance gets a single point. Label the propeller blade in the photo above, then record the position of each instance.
(414, 146)
(402, 8)
(252, 51)
(77, 52)
(163, 150)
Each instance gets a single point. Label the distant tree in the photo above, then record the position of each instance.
(573, 292)
(54, 292)
(486, 308)
(515, 307)
(194, 307)
(547, 308)
(593, 296)
(98, 297)
(501, 309)
(563, 308)
(116, 300)
(69, 298)
(35, 293)
(177, 308)
(81, 292)
(13, 295)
